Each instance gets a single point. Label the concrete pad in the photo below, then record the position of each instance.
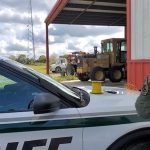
(88, 83)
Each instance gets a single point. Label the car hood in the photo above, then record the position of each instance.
(110, 103)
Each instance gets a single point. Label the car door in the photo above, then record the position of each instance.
(21, 129)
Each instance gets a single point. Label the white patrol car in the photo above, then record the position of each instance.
(39, 113)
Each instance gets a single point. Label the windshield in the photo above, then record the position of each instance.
(57, 84)
(40, 75)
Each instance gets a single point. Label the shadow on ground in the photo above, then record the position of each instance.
(88, 83)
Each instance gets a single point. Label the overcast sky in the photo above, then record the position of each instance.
(15, 30)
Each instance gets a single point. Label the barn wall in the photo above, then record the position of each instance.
(138, 37)
(140, 29)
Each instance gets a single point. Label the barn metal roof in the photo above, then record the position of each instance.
(88, 12)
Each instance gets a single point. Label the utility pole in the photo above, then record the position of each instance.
(32, 30)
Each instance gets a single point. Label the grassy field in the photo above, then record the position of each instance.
(5, 81)
(39, 67)
(42, 68)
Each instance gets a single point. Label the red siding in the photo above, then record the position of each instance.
(137, 72)
(137, 69)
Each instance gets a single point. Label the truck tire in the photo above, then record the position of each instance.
(136, 140)
(83, 77)
(98, 74)
(70, 70)
(58, 70)
(115, 74)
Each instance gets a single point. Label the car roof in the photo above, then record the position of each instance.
(3, 58)
(11, 63)
(18, 68)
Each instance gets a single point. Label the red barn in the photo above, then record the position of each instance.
(134, 15)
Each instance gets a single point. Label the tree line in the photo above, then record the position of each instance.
(23, 59)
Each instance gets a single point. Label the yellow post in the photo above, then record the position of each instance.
(97, 87)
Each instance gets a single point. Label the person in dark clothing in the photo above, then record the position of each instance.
(143, 101)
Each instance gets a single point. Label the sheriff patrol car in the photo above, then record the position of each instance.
(39, 113)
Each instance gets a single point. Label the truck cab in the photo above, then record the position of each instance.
(116, 48)
(110, 62)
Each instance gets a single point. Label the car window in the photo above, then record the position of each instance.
(57, 84)
(15, 94)
(5, 81)
(61, 61)
(123, 46)
(107, 47)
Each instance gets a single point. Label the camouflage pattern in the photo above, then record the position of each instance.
(143, 101)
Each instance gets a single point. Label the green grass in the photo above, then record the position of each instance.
(39, 67)
(42, 68)
(4, 81)
(65, 78)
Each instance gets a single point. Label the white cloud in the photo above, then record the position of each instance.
(14, 35)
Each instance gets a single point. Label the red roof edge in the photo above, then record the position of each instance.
(60, 4)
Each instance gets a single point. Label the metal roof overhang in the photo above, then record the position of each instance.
(88, 12)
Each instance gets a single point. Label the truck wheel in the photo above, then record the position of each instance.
(70, 70)
(83, 77)
(98, 74)
(57, 69)
(115, 74)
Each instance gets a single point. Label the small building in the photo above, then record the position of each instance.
(134, 15)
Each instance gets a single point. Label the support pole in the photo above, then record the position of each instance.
(47, 50)
(128, 30)
(129, 75)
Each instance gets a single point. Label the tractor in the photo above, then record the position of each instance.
(110, 63)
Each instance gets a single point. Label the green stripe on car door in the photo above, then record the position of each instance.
(70, 123)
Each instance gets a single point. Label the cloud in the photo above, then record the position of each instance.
(82, 31)
(8, 17)
(73, 47)
(59, 39)
(18, 12)
(15, 30)
(17, 47)
(23, 5)
(15, 17)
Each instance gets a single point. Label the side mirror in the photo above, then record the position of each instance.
(45, 103)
